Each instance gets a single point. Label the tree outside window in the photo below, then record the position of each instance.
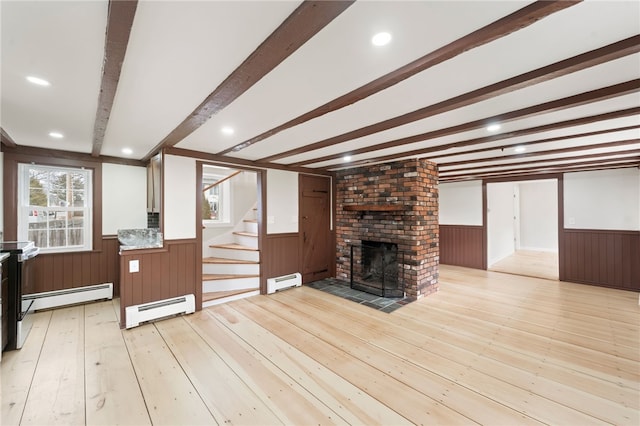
(55, 207)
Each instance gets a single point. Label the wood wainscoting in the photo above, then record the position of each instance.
(601, 257)
(280, 255)
(462, 245)
(61, 271)
(163, 273)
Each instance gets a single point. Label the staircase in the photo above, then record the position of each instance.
(232, 271)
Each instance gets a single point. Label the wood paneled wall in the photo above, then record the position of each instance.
(462, 245)
(169, 272)
(601, 257)
(59, 271)
(280, 255)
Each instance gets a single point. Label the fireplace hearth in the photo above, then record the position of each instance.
(377, 268)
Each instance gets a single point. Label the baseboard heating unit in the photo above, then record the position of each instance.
(70, 296)
(138, 314)
(284, 282)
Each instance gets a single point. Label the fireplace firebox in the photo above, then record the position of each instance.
(377, 268)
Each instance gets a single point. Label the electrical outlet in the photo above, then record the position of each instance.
(134, 266)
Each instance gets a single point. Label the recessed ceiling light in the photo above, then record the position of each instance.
(37, 80)
(381, 39)
(346, 158)
(56, 135)
(227, 130)
(127, 151)
(520, 148)
(493, 127)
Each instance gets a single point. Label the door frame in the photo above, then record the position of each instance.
(560, 193)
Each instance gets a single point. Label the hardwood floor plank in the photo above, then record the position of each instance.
(488, 348)
(289, 401)
(474, 389)
(170, 397)
(465, 351)
(403, 399)
(320, 384)
(229, 399)
(113, 396)
(18, 368)
(56, 396)
(460, 345)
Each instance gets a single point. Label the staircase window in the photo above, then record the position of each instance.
(216, 199)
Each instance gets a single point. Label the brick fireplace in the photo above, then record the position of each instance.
(395, 203)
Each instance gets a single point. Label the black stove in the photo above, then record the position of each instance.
(20, 283)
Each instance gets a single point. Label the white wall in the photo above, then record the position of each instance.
(460, 203)
(282, 201)
(179, 203)
(500, 228)
(539, 215)
(604, 199)
(124, 200)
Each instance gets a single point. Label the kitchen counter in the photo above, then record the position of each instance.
(142, 238)
(4, 256)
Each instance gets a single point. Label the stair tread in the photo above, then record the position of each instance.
(246, 234)
(214, 277)
(225, 261)
(233, 247)
(213, 295)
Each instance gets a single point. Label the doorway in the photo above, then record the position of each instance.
(316, 246)
(522, 228)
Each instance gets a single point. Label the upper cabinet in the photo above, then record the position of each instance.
(154, 184)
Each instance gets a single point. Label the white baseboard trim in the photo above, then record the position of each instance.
(71, 296)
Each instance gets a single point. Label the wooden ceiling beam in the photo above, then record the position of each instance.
(577, 63)
(119, 23)
(572, 167)
(626, 155)
(540, 153)
(500, 28)
(6, 140)
(304, 23)
(552, 106)
(534, 142)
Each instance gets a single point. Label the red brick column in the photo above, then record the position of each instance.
(412, 184)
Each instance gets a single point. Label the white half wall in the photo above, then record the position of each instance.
(179, 203)
(539, 215)
(124, 201)
(500, 223)
(460, 203)
(604, 199)
(282, 201)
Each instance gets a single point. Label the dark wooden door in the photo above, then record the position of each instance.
(315, 228)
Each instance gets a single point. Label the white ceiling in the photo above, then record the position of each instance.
(181, 51)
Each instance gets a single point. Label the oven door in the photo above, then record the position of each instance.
(25, 287)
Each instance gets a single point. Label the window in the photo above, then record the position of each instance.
(55, 207)
(215, 196)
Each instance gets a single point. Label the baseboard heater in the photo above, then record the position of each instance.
(138, 314)
(284, 282)
(70, 296)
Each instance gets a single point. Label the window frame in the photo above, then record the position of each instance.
(226, 204)
(24, 207)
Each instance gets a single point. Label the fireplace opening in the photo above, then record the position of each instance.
(377, 268)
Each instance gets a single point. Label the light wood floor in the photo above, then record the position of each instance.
(482, 350)
(530, 263)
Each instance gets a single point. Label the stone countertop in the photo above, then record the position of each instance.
(4, 256)
(141, 238)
